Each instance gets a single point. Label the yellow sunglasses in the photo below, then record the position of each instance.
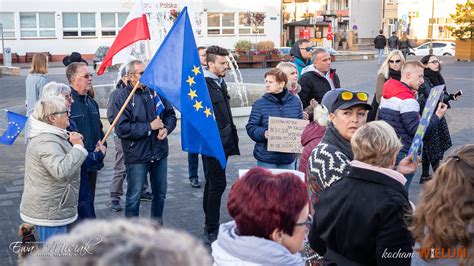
(349, 95)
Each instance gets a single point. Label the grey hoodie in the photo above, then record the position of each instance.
(232, 249)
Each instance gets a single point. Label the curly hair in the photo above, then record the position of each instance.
(444, 217)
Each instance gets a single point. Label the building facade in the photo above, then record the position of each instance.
(61, 27)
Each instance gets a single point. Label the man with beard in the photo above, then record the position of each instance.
(217, 66)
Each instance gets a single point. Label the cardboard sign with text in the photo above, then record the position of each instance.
(285, 134)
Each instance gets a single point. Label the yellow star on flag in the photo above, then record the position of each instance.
(198, 105)
(196, 70)
(208, 111)
(192, 94)
(190, 81)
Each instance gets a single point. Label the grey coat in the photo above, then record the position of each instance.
(52, 176)
(34, 87)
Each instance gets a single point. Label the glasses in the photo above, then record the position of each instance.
(308, 49)
(87, 75)
(68, 97)
(308, 222)
(434, 62)
(395, 61)
(62, 112)
(349, 95)
(139, 73)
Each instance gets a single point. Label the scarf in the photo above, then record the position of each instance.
(394, 74)
(434, 77)
(332, 137)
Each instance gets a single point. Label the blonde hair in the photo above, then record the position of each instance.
(124, 242)
(39, 64)
(48, 106)
(286, 67)
(444, 217)
(376, 143)
(384, 68)
(55, 89)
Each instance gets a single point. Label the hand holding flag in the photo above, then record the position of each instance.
(16, 123)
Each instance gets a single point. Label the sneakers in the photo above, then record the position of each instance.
(208, 238)
(195, 182)
(146, 196)
(424, 179)
(115, 206)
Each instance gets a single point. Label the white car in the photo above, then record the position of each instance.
(439, 49)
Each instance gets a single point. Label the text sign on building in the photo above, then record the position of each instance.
(304, 34)
(285, 134)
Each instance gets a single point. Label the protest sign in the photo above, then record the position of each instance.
(285, 134)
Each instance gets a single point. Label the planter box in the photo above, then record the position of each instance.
(465, 50)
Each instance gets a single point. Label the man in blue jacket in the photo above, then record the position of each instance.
(143, 129)
(400, 109)
(85, 113)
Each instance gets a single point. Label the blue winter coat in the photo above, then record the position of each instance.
(140, 143)
(269, 105)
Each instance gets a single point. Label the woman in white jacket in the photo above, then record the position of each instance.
(271, 218)
(52, 169)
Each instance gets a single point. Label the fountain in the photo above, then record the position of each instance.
(240, 86)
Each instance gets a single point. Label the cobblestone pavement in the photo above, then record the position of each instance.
(183, 208)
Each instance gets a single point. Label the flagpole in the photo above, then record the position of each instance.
(120, 113)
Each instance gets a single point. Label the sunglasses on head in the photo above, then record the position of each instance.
(308, 49)
(349, 95)
(395, 61)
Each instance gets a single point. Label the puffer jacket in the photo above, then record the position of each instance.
(262, 109)
(52, 173)
(400, 109)
(312, 135)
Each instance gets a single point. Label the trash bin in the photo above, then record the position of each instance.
(7, 56)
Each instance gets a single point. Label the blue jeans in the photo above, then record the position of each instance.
(45, 232)
(409, 177)
(193, 165)
(290, 166)
(136, 176)
(380, 56)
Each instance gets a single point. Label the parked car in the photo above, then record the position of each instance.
(284, 50)
(99, 55)
(439, 49)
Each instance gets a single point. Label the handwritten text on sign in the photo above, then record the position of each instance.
(285, 134)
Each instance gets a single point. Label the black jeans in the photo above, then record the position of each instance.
(213, 190)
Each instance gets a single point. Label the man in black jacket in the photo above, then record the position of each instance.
(143, 131)
(393, 42)
(85, 113)
(317, 79)
(214, 174)
(380, 42)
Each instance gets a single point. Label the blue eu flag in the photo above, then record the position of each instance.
(175, 73)
(16, 123)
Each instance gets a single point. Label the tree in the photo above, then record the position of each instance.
(464, 20)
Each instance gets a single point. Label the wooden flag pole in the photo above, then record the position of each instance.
(120, 113)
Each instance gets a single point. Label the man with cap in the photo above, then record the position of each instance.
(329, 161)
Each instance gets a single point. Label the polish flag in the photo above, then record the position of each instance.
(134, 29)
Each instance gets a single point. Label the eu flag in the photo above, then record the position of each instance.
(16, 123)
(175, 73)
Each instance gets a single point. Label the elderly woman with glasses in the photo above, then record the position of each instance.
(53, 162)
(390, 69)
(360, 219)
(94, 158)
(270, 224)
(438, 140)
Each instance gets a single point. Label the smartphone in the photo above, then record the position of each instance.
(457, 94)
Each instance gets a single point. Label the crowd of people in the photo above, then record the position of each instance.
(350, 206)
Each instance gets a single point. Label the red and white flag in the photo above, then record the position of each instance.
(134, 29)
